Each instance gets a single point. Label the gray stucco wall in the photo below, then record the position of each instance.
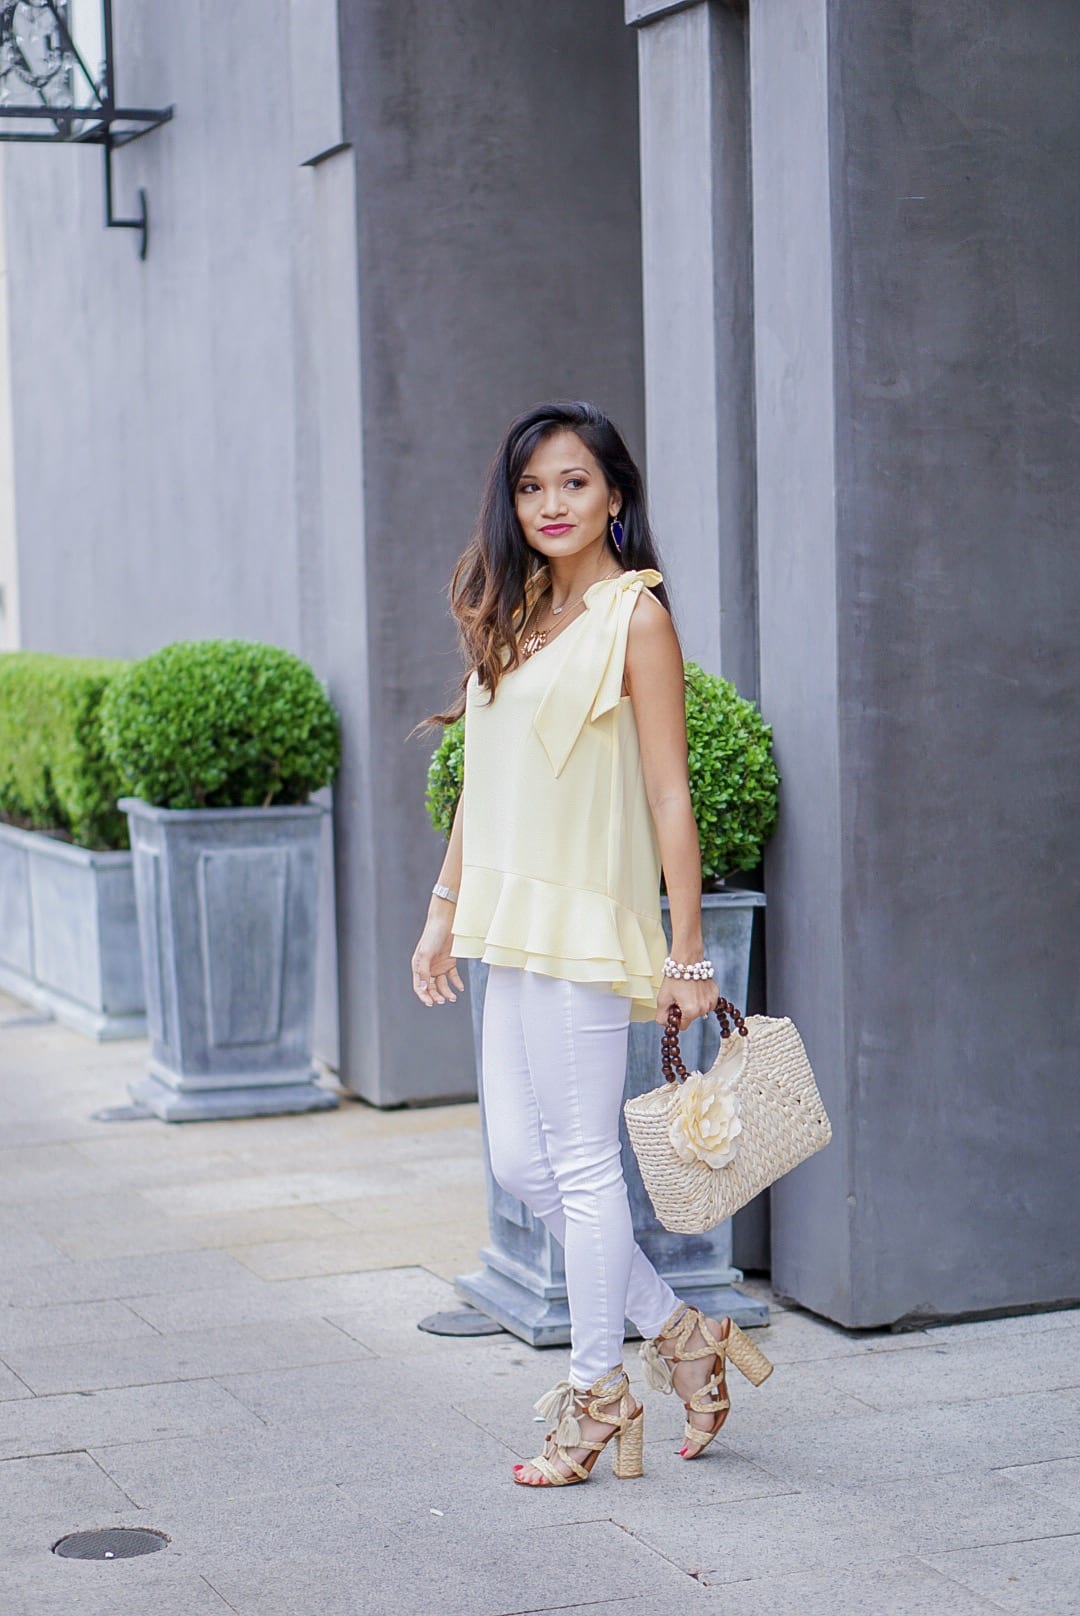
(919, 639)
(9, 560)
(499, 264)
(154, 420)
(162, 481)
(277, 426)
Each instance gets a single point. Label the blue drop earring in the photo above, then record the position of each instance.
(617, 534)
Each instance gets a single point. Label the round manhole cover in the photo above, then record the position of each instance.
(470, 1321)
(110, 1543)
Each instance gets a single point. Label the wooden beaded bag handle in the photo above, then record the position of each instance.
(671, 1061)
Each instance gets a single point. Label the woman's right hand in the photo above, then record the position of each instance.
(434, 967)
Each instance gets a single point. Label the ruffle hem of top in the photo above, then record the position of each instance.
(626, 949)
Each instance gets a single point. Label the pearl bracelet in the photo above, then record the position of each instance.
(698, 972)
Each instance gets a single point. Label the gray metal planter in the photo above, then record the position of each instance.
(228, 903)
(69, 939)
(523, 1282)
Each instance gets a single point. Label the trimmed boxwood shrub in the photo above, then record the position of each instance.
(734, 783)
(55, 775)
(220, 724)
(733, 780)
(446, 771)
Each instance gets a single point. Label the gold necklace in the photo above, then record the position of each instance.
(539, 637)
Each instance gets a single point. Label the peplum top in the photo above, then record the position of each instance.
(560, 861)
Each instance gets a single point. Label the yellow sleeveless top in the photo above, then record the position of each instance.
(560, 861)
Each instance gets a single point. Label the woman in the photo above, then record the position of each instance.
(576, 793)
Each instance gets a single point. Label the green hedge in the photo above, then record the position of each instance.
(220, 724)
(55, 775)
(734, 784)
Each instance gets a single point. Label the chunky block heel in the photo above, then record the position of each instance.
(628, 1459)
(747, 1356)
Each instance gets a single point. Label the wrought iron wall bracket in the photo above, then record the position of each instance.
(57, 98)
(142, 223)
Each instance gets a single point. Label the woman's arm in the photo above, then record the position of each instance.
(434, 968)
(654, 678)
(450, 873)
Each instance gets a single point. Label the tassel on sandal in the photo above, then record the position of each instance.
(711, 1398)
(564, 1405)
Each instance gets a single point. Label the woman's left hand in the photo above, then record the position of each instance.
(694, 997)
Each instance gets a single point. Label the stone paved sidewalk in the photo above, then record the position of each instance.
(210, 1329)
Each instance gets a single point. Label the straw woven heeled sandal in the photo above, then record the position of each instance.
(712, 1397)
(565, 1405)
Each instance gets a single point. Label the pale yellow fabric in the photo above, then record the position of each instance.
(560, 862)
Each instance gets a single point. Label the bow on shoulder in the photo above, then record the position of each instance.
(588, 680)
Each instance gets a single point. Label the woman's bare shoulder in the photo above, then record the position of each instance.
(653, 652)
(650, 621)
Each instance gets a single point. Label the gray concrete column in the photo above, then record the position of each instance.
(698, 324)
(330, 591)
(797, 589)
(696, 288)
(915, 176)
(498, 263)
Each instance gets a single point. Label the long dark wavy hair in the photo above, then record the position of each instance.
(487, 588)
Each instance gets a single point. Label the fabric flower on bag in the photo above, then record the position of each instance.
(706, 1124)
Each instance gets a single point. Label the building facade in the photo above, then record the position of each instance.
(819, 260)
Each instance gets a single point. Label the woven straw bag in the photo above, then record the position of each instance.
(707, 1143)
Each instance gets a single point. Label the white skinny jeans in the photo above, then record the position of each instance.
(553, 1071)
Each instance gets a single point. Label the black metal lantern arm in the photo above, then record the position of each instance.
(95, 123)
